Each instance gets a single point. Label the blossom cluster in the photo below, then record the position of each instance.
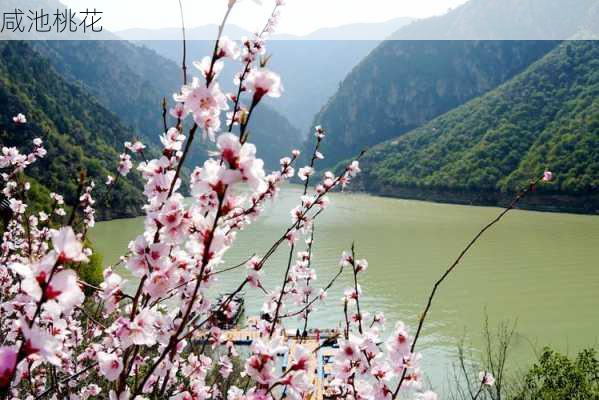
(64, 337)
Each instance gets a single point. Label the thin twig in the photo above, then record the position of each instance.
(463, 253)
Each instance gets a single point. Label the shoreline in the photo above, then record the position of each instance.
(579, 205)
(547, 202)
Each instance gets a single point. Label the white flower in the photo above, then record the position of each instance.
(67, 246)
(19, 119)
(305, 172)
(486, 378)
(228, 48)
(110, 365)
(40, 342)
(264, 82)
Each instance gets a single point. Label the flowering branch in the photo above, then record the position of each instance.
(547, 176)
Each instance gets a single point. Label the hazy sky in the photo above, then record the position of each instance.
(298, 16)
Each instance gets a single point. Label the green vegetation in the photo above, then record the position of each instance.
(79, 133)
(546, 117)
(402, 85)
(92, 272)
(553, 376)
(128, 80)
(138, 79)
(557, 377)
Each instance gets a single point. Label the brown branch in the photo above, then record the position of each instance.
(65, 380)
(463, 253)
(183, 63)
(280, 301)
(355, 271)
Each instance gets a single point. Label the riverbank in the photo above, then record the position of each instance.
(546, 202)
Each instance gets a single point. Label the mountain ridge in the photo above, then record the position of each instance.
(353, 31)
(80, 134)
(547, 117)
(509, 20)
(404, 84)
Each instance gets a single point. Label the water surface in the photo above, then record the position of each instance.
(539, 268)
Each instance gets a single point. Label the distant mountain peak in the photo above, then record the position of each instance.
(509, 20)
(355, 31)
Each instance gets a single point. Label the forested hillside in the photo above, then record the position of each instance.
(79, 133)
(131, 81)
(545, 118)
(404, 84)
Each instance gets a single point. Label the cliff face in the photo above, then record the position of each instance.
(545, 118)
(402, 85)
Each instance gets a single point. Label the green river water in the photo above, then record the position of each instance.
(539, 268)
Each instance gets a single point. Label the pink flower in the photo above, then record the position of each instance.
(160, 281)
(123, 396)
(227, 48)
(141, 331)
(242, 162)
(171, 140)
(226, 367)
(206, 63)
(548, 176)
(320, 132)
(125, 164)
(17, 206)
(486, 378)
(261, 365)
(19, 119)
(205, 103)
(301, 359)
(64, 289)
(8, 363)
(263, 82)
(40, 342)
(110, 365)
(198, 97)
(67, 246)
(178, 111)
(353, 169)
(135, 147)
(305, 172)
(111, 290)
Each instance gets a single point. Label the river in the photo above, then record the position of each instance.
(539, 268)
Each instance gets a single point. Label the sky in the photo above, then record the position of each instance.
(298, 17)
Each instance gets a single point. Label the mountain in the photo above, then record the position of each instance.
(129, 80)
(79, 133)
(358, 31)
(545, 118)
(428, 68)
(311, 66)
(509, 20)
(404, 84)
(132, 80)
(201, 33)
